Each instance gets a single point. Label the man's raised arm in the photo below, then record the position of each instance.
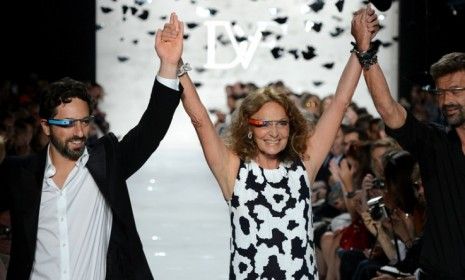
(392, 113)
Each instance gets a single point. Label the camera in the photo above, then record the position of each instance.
(378, 184)
(377, 208)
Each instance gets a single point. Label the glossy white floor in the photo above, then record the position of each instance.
(181, 216)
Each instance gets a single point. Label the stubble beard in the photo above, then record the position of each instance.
(62, 147)
(457, 119)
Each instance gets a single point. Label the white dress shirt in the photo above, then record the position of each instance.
(74, 226)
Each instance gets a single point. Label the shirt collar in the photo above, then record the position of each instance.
(50, 169)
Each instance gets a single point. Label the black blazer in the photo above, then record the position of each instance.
(110, 163)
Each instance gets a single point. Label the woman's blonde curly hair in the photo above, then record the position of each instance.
(246, 148)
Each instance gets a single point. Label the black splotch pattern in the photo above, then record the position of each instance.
(271, 224)
(245, 225)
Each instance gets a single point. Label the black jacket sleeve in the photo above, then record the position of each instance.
(142, 140)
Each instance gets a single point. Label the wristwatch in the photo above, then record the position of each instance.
(183, 69)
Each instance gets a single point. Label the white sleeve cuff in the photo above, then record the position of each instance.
(171, 83)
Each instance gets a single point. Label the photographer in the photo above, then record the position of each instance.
(373, 182)
(391, 218)
(370, 216)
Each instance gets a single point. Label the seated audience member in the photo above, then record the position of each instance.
(97, 93)
(311, 103)
(376, 129)
(375, 179)
(353, 136)
(351, 116)
(23, 133)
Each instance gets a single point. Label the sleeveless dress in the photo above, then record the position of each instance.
(271, 223)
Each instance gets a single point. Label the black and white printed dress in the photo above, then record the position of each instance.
(271, 222)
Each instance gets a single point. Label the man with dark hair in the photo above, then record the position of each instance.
(353, 136)
(441, 156)
(70, 210)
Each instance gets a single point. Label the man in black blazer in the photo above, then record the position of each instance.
(70, 209)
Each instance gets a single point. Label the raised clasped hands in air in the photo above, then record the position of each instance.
(365, 25)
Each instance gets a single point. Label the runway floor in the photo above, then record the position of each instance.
(181, 216)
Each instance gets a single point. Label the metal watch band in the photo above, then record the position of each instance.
(183, 69)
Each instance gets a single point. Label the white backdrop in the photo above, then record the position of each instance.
(128, 82)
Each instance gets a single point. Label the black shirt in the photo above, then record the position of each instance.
(442, 165)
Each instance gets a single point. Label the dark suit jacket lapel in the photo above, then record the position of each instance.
(97, 166)
(32, 195)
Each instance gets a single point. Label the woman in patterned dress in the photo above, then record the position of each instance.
(265, 169)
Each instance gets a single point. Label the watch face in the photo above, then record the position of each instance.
(183, 69)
